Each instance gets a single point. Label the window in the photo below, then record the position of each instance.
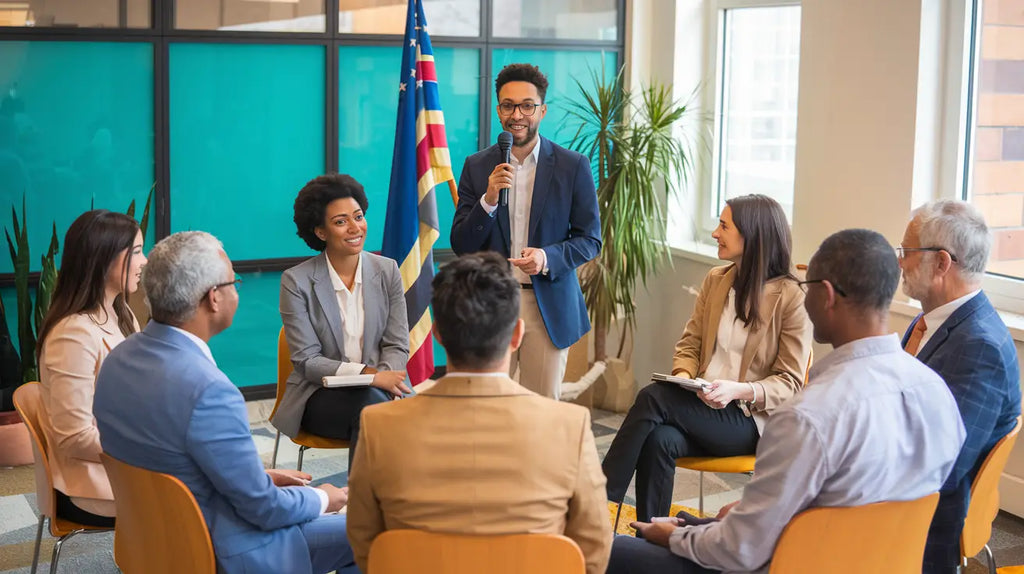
(995, 130)
(757, 73)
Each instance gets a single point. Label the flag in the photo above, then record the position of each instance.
(420, 162)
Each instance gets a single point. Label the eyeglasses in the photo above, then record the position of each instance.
(901, 251)
(527, 108)
(236, 283)
(803, 285)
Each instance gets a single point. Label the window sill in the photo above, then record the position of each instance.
(696, 251)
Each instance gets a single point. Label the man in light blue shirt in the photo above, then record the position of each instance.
(873, 425)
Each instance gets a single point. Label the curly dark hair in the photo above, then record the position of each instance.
(522, 73)
(311, 204)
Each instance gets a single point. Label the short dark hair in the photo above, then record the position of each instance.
(861, 263)
(476, 306)
(522, 73)
(767, 251)
(311, 204)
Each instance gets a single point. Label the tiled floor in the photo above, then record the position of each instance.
(92, 554)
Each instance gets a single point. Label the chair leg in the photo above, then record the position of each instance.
(991, 560)
(302, 449)
(56, 553)
(701, 501)
(39, 541)
(277, 443)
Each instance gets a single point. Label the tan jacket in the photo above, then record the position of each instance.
(479, 455)
(70, 359)
(775, 355)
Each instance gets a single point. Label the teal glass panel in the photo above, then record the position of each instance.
(76, 131)
(367, 109)
(247, 132)
(247, 350)
(563, 69)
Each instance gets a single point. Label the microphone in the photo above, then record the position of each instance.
(505, 145)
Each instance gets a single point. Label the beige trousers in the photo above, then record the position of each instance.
(540, 363)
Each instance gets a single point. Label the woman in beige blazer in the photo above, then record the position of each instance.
(88, 316)
(748, 337)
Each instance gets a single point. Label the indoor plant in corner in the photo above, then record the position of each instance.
(635, 143)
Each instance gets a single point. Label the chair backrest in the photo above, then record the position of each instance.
(159, 527)
(807, 370)
(284, 368)
(881, 537)
(984, 504)
(439, 553)
(28, 401)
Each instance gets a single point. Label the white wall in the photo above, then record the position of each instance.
(868, 144)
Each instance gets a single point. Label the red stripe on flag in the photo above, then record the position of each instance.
(422, 157)
(436, 135)
(421, 364)
(426, 71)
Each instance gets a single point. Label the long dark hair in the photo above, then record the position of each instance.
(767, 251)
(91, 245)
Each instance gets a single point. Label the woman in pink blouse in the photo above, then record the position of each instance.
(89, 315)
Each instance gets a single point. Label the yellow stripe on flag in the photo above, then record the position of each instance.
(419, 332)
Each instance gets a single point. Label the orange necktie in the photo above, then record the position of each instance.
(915, 337)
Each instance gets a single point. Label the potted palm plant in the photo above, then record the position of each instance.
(640, 158)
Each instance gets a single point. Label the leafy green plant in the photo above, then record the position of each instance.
(640, 157)
(30, 315)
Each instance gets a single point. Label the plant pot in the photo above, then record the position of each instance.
(15, 442)
(616, 388)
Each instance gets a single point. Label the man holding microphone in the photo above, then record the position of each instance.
(548, 226)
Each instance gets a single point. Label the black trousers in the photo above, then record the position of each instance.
(334, 413)
(67, 510)
(667, 422)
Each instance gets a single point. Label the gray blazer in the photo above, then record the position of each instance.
(312, 326)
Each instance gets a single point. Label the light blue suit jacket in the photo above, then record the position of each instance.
(161, 404)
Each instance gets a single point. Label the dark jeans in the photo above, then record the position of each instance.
(68, 511)
(667, 422)
(637, 556)
(334, 413)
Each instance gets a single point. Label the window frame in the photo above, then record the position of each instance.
(964, 25)
(709, 188)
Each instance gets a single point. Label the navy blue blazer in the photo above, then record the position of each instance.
(161, 404)
(564, 221)
(975, 354)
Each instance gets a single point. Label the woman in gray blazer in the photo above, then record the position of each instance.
(344, 315)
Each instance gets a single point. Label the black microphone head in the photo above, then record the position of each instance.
(504, 141)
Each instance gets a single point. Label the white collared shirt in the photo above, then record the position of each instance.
(728, 353)
(520, 203)
(199, 343)
(937, 316)
(352, 316)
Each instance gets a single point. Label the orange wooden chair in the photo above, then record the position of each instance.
(440, 553)
(305, 440)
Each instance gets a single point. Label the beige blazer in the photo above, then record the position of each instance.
(479, 455)
(68, 363)
(775, 355)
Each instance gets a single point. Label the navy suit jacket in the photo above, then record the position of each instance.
(975, 354)
(162, 405)
(564, 221)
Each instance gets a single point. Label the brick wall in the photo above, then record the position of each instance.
(999, 139)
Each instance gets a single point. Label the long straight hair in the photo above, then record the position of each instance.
(91, 246)
(767, 251)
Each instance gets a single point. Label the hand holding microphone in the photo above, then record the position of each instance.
(500, 180)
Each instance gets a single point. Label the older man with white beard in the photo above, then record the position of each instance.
(961, 337)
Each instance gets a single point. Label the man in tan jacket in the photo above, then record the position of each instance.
(477, 453)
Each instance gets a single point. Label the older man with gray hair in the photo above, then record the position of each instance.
(162, 404)
(961, 337)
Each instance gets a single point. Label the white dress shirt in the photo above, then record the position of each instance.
(937, 316)
(520, 203)
(206, 352)
(352, 317)
(874, 424)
